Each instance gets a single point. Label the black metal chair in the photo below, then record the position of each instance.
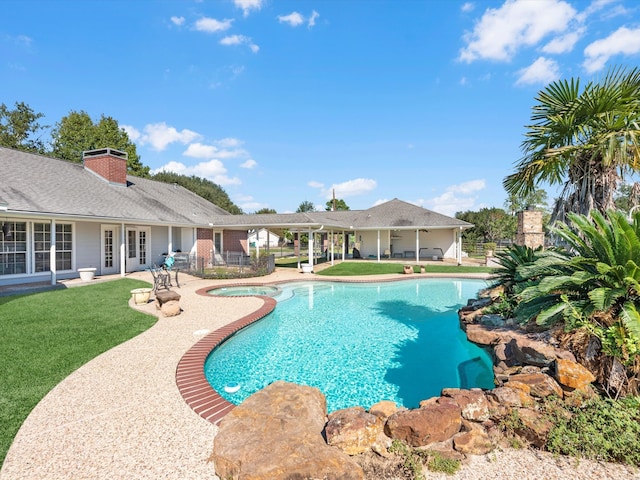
(161, 278)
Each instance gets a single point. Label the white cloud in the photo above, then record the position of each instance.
(160, 135)
(179, 21)
(314, 184)
(501, 32)
(249, 164)
(312, 19)
(133, 133)
(240, 40)
(198, 150)
(248, 5)
(457, 198)
(229, 142)
(564, 43)
(543, 71)
(623, 41)
(469, 187)
(468, 7)
(294, 19)
(211, 25)
(351, 188)
(213, 170)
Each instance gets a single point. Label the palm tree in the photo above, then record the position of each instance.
(585, 138)
(595, 284)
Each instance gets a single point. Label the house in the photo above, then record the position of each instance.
(58, 216)
(262, 238)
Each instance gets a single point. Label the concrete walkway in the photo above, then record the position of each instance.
(121, 416)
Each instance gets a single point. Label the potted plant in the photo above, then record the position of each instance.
(141, 296)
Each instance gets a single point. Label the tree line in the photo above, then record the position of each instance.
(21, 129)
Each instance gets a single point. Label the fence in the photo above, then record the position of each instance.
(227, 264)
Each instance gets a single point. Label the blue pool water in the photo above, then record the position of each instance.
(357, 343)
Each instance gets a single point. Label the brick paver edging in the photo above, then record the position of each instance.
(196, 391)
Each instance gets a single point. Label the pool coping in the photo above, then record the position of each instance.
(192, 384)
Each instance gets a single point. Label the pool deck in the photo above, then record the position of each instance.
(122, 416)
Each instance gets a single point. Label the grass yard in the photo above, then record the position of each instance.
(46, 336)
(375, 268)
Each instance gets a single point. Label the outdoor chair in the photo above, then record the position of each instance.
(161, 278)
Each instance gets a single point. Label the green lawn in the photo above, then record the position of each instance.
(46, 336)
(375, 268)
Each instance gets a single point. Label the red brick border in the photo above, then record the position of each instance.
(190, 379)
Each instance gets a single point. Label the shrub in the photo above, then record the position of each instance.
(602, 429)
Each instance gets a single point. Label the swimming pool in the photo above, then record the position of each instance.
(358, 343)
(243, 290)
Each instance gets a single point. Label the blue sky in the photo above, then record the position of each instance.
(281, 102)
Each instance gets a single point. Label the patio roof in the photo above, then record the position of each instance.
(394, 214)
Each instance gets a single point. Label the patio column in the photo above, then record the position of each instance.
(52, 253)
(332, 242)
(459, 245)
(169, 240)
(378, 245)
(344, 245)
(311, 262)
(417, 245)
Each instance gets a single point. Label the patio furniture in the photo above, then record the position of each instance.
(161, 278)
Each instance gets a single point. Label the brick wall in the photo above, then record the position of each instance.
(235, 241)
(204, 244)
(111, 167)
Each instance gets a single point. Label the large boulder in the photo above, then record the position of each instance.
(353, 430)
(473, 441)
(276, 434)
(432, 423)
(572, 374)
(473, 403)
(540, 385)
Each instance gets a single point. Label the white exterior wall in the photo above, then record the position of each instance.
(87, 245)
(404, 242)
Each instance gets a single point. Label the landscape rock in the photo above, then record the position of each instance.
(573, 375)
(473, 441)
(473, 403)
(276, 434)
(534, 427)
(384, 409)
(353, 430)
(540, 384)
(423, 426)
(511, 397)
(171, 308)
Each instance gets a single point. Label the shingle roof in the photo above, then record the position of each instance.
(39, 185)
(394, 214)
(34, 184)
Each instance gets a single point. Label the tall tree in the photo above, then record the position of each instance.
(77, 132)
(20, 129)
(264, 211)
(306, 206)
(490, 225)
(585, 138)
(337, 204)
(202, 187)
(536, 198)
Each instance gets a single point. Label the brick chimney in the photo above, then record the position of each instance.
(108, 163)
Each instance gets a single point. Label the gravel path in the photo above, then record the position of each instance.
(120, 416)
